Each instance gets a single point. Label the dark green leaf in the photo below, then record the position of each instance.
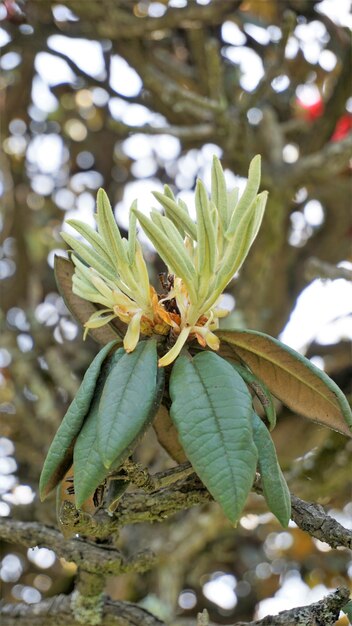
(261, 391)
(59, 457)
(291, 377)
(212, 408)
(130, 399)
(89, 471)
(275, 489)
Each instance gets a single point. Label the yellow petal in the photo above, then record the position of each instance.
(133, 331)
(211, 340)
(176, 349)
(99, 319)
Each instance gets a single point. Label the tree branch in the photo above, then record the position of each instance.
(315, 268)
(325, 612)
(139, 507)
(119, 20)
(195, 132)
(90, 556)
(312, 518)
(317, 167)
(57, 611)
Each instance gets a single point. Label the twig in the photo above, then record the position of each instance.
(189, 133)
(90, 556)
(315, 268)
(276, 66)
(332, 159)
(156, 506)
(325, 612)
(131, 26)
(312, 518)
(57, 611)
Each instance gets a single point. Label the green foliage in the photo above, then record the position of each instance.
(291, 378)
(211, 402)
(211, 408)
(81, 309)
(274, 484)
(130, 399)
(261, 391)
(59, 457)
(89, 470)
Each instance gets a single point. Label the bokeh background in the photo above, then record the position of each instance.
(131, 95)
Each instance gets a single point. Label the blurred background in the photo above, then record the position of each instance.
(128, 96)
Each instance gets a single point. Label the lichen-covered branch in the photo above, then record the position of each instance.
(58, 611)
(315, 268)
(330, 160)
(122, 22)
(194, 132)
(137, 507)
(90, 556)
(325, 612)
(312, 518)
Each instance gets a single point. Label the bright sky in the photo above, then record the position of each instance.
(322, 310)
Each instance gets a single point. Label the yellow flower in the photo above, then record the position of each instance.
(201, 258)
(112, 272)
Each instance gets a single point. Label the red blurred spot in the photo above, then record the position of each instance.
(311, 112)
(342, 128)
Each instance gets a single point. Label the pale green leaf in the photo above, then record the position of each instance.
(95, 240)
(89, 256)
(177, 214)
(132, 233)
(248, 195)
(109, 230)
(258, 215)
(219, 192)
(175, 257)
(81, 309)
(206, 236)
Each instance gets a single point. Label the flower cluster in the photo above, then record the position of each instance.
(201, 258)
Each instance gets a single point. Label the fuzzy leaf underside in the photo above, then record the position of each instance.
(167, 435)
(81, 309)
(59, 456)
(275, 489)
(130, 399)
(211, 409)
(291, 378)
